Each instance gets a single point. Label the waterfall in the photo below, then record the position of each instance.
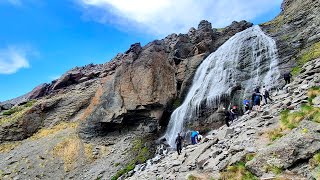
(246, 60)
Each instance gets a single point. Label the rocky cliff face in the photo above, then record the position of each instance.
(95, 121)
(295, 29)
(259, 145)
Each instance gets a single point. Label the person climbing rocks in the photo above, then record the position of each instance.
(256, 98)
(179, 143)
(287, 76)
(199, 138)
(246, 104)
(227, 116)
(266, 95)
(194, 136)
(234, 113)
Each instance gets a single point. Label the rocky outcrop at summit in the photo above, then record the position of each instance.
(295, 30)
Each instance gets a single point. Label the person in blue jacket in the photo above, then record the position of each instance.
(194, 136)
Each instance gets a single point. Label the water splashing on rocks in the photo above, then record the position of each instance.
(245, 61)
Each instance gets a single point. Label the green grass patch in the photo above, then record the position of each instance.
(274, 169)
(249, 156)
(237, 172)
(12, 111)
(307, 55)
(291, 120)
(315, 161)
(141, 153)
(275, 134)
(192, 177)
(30, 103)
(14, 116)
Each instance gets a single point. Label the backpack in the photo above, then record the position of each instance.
(257, 97)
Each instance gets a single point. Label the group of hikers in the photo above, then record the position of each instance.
(232, 113)
(195, 138)
(254, 105)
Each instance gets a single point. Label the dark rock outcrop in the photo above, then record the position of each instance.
(143, 87)
(296, 28)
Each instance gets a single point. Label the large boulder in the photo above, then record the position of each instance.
(299, 145)
(38, 91)
(139, 90)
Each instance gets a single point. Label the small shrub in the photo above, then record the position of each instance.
(117, 164)
(274, 169)
(192, 177)
(123, 171)
(141, 154)
(250, 156)
(291, 120)
(275, 134)
(19, 112)
(237, 172)
(12, 111)
(30, 103)
(315, 161)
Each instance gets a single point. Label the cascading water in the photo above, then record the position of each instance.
(246, 60)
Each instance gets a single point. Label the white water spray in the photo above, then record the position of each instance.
(246, 60)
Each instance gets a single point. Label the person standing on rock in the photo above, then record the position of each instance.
(227, 116)
(246, 104)
(287, 76)
(266, 95)
(234, 113)
(257, 98)
(179, 143)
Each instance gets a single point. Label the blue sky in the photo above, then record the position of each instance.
(40, 40)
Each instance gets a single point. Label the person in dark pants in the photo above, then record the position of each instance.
(266, 95)
(246, 104)
(179, 143)
(287, 76)
(227, 116)
(194, 136)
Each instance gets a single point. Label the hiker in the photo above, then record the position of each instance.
(287, 76)
(226, 116)
(199, 137)
(179, 143)
(246, 104)
(194, 136)
(234, 113)
(266, 95)
(256, 98)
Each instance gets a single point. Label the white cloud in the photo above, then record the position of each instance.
(14, 2)
(12, 59)
(167, 16)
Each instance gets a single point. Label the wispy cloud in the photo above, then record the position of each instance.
(14, 2)
(14, 58)
(167, 16)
